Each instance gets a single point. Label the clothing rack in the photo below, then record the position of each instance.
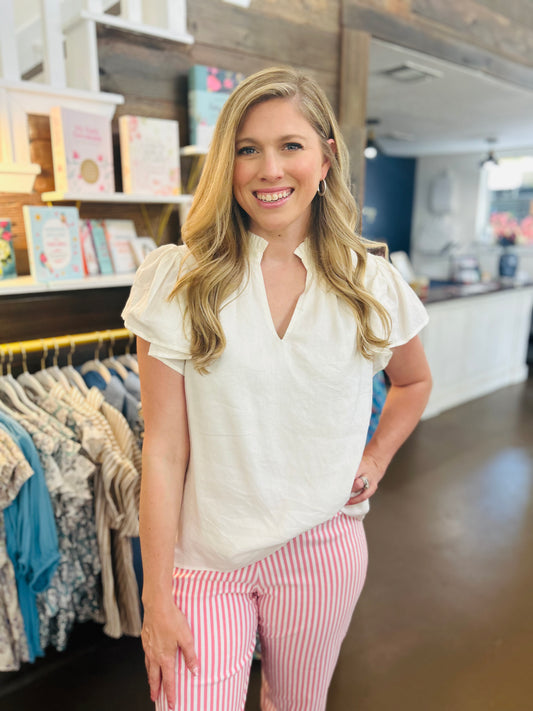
(44, 345)
(84, 453)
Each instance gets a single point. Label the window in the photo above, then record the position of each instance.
(509, 201)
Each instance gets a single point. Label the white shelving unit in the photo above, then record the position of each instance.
(27, 285)
(69, 78)
(193, 151)
(169, 201)
(125, 198)
(164, 19)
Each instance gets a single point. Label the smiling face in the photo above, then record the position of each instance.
(278, 164)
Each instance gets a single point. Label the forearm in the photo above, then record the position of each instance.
(160, 504)
(403, 408)
(158, 523)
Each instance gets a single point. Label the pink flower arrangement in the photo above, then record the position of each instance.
(505, 228)
(526, 227)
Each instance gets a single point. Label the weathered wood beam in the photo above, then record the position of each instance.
(485, 28)
(414, 33)
(352, 103)
(229, 27)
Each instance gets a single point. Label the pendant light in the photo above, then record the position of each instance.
(490, 159)
(371, 149)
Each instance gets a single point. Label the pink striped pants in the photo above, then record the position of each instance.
(300, 599)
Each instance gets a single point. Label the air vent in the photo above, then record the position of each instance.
(411, 73)
(399, 136)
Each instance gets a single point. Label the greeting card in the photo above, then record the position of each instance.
(88, 251)
(101, 247)
(82, 151)
(120, 235)
(149, 155)
(8, 268)
(53, 239)
(209, 87)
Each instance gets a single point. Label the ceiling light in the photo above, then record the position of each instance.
(490, 159)
(371, 149)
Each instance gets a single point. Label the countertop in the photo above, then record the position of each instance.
(444, 291)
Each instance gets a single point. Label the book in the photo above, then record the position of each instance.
(53, 239)
(82, 151)
(208, 89)
(120, 235)
(88, 252)
(103, 256)
(8, 267)
(142, 246)
(149, 155)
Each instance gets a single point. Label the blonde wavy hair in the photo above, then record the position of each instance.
(216, 230)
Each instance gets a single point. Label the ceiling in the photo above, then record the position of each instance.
(454, 110)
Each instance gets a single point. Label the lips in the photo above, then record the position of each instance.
(273, 196)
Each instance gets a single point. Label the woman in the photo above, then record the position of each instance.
(257, 343)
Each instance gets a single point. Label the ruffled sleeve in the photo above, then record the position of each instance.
(408, 314)
(151, 315)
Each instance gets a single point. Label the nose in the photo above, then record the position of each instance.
(271, 166)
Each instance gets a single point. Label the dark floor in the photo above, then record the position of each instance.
(445, 622)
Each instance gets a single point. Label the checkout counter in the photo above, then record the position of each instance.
(476, 340)
(478, 335)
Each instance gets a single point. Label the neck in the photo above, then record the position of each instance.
(281, 246)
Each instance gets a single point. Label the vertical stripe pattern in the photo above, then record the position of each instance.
(300, 598)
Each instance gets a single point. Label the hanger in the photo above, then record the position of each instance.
(28, 381)
(129, 360)
(112, 361)
(71, 374)
(56, 372)
(11, 392)
(42, 376)
(96, 364)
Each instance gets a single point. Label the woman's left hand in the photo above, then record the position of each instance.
(369, 471)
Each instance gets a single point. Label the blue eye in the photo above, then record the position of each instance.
(246, 151)
(293, 146)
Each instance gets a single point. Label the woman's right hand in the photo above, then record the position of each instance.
(165, 629)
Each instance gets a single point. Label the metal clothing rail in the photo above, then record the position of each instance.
(47, 344)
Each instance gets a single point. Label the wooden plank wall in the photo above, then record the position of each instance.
(327, 38)
(152, 74)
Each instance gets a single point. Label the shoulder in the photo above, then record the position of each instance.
(379, 272)
(149, 313)
(166, 261)
(153, 283)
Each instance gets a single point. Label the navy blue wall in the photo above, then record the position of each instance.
(389, 189)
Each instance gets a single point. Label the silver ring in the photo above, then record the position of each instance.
(366, 483)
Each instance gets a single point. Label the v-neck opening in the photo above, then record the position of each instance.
(258, 247)
(293, 313)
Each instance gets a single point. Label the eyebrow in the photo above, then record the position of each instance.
(282, 139)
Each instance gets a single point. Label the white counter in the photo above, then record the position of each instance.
(476, 344)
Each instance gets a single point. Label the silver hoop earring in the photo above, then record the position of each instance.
(322, 187)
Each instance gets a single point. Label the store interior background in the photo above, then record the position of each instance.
(485, 93)
(420, 136)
